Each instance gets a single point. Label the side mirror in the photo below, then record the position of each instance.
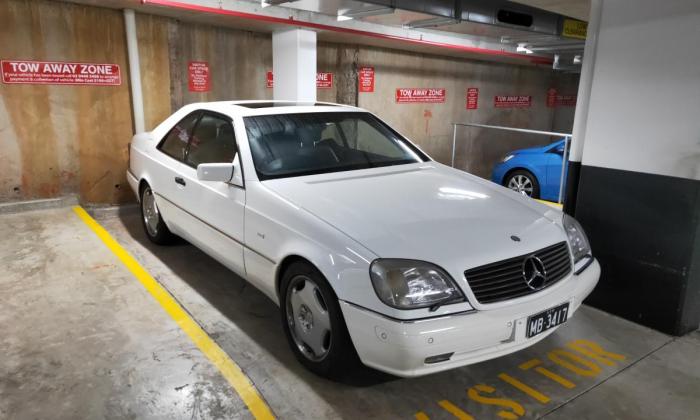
(221, 172)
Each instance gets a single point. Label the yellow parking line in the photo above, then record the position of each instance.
(526, 389)
(550, 203)
(454, 410)
(228, 368)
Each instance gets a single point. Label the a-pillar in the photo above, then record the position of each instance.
(294, 65)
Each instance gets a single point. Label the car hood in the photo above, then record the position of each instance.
(537, 149)
(426, 211)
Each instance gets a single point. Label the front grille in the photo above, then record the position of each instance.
(504, 280)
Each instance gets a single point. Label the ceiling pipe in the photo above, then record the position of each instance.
(266, 3)
(360, 13)
(312, 25)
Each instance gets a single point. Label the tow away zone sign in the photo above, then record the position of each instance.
(60, 73)
(420, 95)
(502, 101)
(324, 80)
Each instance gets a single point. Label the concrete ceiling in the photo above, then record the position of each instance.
(578, 9)
(469, 42)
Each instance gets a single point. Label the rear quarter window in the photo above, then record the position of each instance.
(175, 142)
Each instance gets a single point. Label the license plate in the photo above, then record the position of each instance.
(541, 322)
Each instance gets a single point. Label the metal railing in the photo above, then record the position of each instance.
(567, 141)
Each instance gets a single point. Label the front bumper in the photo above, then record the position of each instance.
(133, 183)
(400, 347)
(498, 172)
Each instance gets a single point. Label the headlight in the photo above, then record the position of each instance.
(507, 158)
(410, 284)
(577, 238)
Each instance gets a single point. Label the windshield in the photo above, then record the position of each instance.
(313, 143)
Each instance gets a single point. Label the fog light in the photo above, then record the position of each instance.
(439, 358)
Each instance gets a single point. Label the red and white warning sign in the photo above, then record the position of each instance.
(472, 98)
(420, 95)
(566, 100)
(514, 101)
(554, 99)
(551, 98)
(199, 76)
(60, 73)
(323, 80)
(366, 79)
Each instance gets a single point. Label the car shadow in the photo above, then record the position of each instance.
(245, 306)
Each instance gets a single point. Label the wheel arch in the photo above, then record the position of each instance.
(142, 183)
(284, 265)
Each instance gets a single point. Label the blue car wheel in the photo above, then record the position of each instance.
(524, 182)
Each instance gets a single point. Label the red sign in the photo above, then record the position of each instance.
(420, 95)
(566, 100)
(515, 101)
(323, 80)
(554, 99)
(198, 76)
(551, 98)
(60, 73)
(366, 79)
(472, 98)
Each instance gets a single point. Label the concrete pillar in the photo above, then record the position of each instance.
(294, 65)
(638, 143)
(582, 106)
(132, 47)
(346, 76)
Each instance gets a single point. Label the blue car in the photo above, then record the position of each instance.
(535, 172)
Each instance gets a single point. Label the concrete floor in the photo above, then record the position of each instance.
(81, 338)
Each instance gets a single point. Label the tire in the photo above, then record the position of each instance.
(523, 182)
(308, 308)
(153, 224)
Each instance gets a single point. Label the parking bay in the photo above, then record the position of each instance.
(531, 383)
(594, 366)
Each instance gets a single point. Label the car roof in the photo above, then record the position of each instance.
(270, 107)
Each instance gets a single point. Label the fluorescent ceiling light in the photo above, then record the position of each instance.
(522, 48)
(431, 23)
(359, 13)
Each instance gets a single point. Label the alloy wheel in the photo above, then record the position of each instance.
(151, 216)
(308, 318)
(521, 184)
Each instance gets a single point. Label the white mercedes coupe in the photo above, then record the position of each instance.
(373, 251)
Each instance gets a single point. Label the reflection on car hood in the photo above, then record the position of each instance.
(426, 211)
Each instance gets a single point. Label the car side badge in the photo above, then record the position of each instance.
(515, 238)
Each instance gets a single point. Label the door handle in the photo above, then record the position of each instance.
(179, 180)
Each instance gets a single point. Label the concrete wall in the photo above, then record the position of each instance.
(644, 112)
(59, 140)
(429, 125)
(638, 191)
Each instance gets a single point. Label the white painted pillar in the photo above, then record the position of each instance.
(132, 48)
(586, 82)
(294, 65)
